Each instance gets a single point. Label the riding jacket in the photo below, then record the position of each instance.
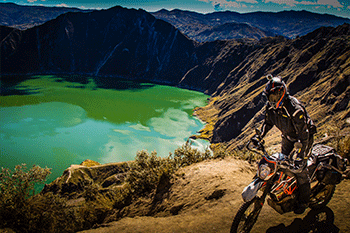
(293, 121)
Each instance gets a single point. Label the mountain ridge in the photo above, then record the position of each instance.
(24, 17)
(286, 23)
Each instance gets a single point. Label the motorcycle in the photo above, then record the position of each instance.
(276, 182)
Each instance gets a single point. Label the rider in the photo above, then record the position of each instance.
(290, 117)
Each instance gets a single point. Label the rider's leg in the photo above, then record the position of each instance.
(286, 146)
(304, 181)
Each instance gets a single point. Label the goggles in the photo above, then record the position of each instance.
(276, 96)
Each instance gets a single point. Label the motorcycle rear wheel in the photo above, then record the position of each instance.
(322, 198)
(246, 216)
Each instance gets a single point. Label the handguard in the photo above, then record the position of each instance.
(252, 189)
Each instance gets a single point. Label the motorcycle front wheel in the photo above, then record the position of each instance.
(246, 216)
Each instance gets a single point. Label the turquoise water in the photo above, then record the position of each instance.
(49, 121)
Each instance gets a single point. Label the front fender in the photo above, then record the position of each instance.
(252, 189)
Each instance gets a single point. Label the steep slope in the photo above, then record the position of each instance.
(286, 23)
(315, 67)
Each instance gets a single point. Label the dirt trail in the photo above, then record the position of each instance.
(206, 196)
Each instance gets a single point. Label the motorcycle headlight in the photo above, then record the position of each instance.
(263, 171)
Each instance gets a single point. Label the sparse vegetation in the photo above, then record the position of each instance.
(23, 211)
(338, 139)
(148, 169)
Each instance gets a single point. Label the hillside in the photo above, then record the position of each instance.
(202, 197)
(230, 31)
(316, 69)
(289, 24)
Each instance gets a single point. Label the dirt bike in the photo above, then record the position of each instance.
(275, 181)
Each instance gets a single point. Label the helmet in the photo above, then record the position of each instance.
(275, 91)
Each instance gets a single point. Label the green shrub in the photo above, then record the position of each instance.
(22, 211)
(187, 155)
(148, 169)
(16, 188)
(145, 172)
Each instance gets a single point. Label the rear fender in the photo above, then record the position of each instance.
(252, 189)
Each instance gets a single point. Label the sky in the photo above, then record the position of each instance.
(334, 7)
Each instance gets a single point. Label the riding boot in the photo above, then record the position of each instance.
(304, 197)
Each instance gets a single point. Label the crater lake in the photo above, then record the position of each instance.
(56, 121)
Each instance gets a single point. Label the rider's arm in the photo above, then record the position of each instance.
(299, 118)
(267, 125)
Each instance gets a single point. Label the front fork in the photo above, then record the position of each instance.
(266, 189)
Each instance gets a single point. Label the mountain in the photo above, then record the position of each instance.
(23, 17)
(114, 42)
(133, 44)
(286, 23)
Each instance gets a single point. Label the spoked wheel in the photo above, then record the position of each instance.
(246, 216)
(321, 199)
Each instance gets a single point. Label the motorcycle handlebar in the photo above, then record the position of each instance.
(260, 146)
(285, 164)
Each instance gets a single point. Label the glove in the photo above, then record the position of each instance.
(255, 140)
(299, 163)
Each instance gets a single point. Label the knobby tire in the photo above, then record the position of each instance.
(244, 221)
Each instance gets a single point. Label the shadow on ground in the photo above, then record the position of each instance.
(315, 221)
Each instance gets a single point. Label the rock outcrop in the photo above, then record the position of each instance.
(77, 178)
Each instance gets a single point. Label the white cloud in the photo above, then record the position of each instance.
(247, 1)
(62, 5)
(328, 3)
(333, 3)
(284, 2)
(225, 3)
(31, 1)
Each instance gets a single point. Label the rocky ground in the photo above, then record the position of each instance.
(205, 197)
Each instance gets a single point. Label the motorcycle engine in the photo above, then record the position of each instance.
(282, 195)
(283, 187)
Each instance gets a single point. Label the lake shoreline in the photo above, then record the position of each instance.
(43, 99)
